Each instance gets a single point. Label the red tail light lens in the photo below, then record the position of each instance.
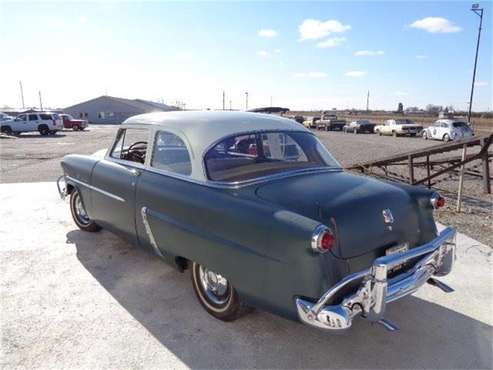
(437, 201)
(322, 239)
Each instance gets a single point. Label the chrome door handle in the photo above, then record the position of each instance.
(134, 172)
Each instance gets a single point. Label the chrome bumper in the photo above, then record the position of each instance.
(61, 185)
(377, 289)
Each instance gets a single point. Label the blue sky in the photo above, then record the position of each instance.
(309, 55)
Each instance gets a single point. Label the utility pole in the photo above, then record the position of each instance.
(246, 100)
(22, 94)
(368, 101)
(478, 11)
(230, 105)
(40, 101)
(224, 100)
(271, 100)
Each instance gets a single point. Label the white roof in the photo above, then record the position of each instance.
(202, 129)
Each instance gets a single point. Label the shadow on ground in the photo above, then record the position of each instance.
(163, 301)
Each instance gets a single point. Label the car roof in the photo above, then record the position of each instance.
(204, 128)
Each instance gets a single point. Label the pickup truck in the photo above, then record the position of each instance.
(398, 127)
(72, 123)
(330, 122)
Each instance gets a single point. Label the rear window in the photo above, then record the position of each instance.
(45, 116)
(253, 155)
(460, 124)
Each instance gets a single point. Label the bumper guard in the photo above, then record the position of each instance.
(377, 289)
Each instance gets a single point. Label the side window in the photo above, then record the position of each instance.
(33, 117)
(21, 117)
(131, 145)
(171, 154)
(44, 117)
(282, 147)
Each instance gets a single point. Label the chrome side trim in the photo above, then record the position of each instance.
(147, 226)
(104, 192)
(376, 288)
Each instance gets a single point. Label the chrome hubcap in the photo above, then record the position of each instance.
(80, 210)
(214, 285)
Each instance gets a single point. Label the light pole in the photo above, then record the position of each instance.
(246, 100)
(478, 11)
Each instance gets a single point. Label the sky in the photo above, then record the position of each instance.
(300, 55)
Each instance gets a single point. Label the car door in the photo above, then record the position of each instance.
(33, 122)
(163, 197)
(114, 181)
(20, 123)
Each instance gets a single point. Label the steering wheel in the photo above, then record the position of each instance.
(136, 152)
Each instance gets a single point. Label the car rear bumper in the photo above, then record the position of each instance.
(377, 288)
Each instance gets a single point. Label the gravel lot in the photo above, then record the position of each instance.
(77, 300)
(32, 158)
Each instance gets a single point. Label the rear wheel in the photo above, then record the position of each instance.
(394, 134)
(79, 214)
(425, 135)
(216, 294)
(7, 130)
(43, 130)
(75, 127)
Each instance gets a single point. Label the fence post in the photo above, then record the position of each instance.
(411, 170)
(461, 178)
(486, 170)
(428, 172)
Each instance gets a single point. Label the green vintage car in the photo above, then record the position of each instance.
(263, 216)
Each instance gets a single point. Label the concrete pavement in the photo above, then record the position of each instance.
(90, 300)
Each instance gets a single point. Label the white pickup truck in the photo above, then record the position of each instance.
(45, 123)
(399, 127)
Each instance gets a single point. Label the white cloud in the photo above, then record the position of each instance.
(421, 56)
(54, 22)
(331, 42)
(263, 54)
(311, 75)
(267, 32)
(480, 83)
(368, 53)
(401, 93)
(355, 74)
(277, 51)
(83, 19)
(313, 29)
(436, 25)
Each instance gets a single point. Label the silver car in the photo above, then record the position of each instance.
(448, 129)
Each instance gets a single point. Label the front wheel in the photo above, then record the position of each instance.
(216, 294)
(446, 138)
(79, 214)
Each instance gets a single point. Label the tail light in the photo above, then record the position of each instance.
(437, 201)
(323, 239)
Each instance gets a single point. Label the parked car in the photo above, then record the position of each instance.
(359, 126)
(299, 119)
(448, 129)
(311, 122)
(263, 216)
(5, 117)
(330, 122)
(399, 127)
(72, 123)
(46, 123)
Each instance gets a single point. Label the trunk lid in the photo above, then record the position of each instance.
(352, 206)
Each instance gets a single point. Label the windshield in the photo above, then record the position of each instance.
(404, 122)
(249, 156)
